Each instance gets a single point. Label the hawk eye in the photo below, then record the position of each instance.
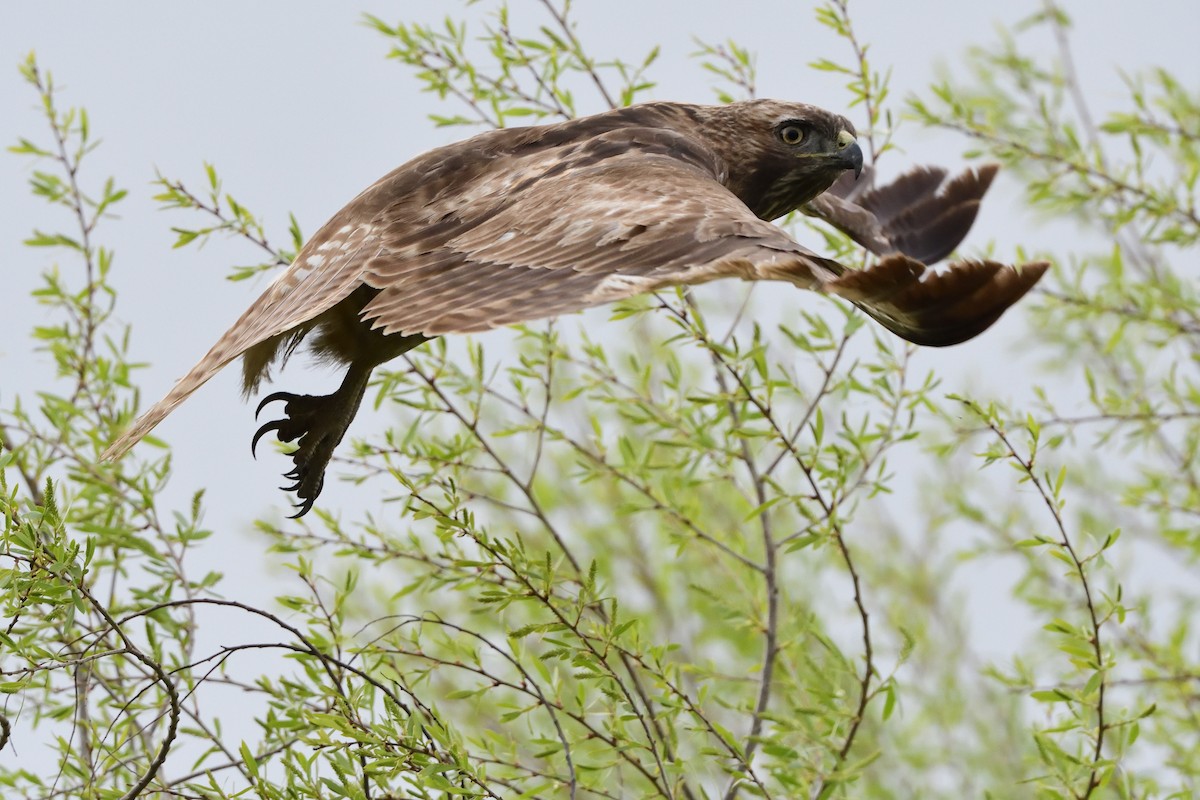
(791, 134)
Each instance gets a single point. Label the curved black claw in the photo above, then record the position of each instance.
(306, 503)
(270, 426)
(316, 424)
(271, 398)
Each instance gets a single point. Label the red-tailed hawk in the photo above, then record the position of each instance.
(521, 224)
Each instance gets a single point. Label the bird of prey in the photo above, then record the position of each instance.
(522, 224)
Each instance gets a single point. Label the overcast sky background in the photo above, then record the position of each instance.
(296, 105)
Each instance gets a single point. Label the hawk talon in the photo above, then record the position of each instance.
(316, 423)
(306, 421)
(270, 426)
(306, 503)
(271, 398)
(304, 507)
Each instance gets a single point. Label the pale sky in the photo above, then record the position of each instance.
(297, 107)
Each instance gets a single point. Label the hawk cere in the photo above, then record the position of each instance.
(522, 224)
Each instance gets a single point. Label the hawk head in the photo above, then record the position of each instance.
(780, 155)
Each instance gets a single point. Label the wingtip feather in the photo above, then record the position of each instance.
(937, 309)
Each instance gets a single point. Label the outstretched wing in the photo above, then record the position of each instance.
(325, 271)
(914, 221)
(936, 308)
(646, 219)
(596, 231)
(920, 214)
(464, 240)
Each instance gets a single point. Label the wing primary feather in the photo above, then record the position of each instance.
(936, 309)
(920, 214)
(217, 357)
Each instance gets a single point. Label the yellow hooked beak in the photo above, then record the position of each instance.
(849, 151)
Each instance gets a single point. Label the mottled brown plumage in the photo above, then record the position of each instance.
(522, 224)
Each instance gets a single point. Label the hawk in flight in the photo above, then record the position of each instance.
(521, 224)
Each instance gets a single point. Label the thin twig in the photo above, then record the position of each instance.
(1079, 567)
(161, 677)
(560, 17)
